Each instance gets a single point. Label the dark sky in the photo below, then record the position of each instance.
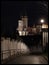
(12, 10)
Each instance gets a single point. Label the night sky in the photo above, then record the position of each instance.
(12, 10)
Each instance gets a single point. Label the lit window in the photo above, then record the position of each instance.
(24, 33)
(20, 33)
(44, 26)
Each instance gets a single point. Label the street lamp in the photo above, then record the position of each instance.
(42, 21)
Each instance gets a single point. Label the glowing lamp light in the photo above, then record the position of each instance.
(42, 21)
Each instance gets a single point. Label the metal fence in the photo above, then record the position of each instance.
(5, 54)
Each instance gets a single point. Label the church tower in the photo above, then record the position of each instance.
(23, 24)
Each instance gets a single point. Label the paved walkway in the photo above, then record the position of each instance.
(30, 59)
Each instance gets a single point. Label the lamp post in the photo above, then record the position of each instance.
(42, 21)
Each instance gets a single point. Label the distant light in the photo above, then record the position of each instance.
(23, 33)
(20, 33)
(42, 21)
(44, 26)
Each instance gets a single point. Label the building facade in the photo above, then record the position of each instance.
(22, 26)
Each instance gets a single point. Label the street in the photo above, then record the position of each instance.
(30, 59)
